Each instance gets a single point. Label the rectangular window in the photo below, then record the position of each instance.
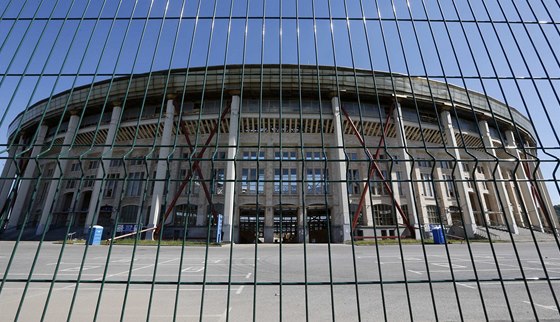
(250, 181)
(75, 167)
(285, 155)
(449, 187)
(469, 182)
(71, 184)
(424, 163)
(427, 185)
(135, 183)
(354, 181)
(317, 181)
(219, 181)
(399, 183)
(314, 155)
(253, 155)
(93, 165)
(111, 185)
(193, 186)
(289, 181)
(378, 184)
(89, 181)
(445, 164)
(115, 163)
(134, 162)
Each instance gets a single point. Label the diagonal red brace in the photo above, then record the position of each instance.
(370, 172)
(375, 167)
(194, 165)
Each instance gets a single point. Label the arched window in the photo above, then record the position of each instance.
(128, 214)
(433, 215)
(383, 215)
(353, 208)
(185, 214)
(455, 213)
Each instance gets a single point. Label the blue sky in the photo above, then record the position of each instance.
(513, 45)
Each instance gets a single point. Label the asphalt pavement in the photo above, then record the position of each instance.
(269, 282)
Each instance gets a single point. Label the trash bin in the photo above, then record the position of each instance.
(437, 232)
(95, 236)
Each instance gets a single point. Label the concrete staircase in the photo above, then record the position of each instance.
(502, 234)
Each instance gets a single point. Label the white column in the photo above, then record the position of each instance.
(230, 171)
(367, 208)
(543, 190)
(161, 172)
(515, 204)
(459, 175)
(342, 218)
(301, 226)
(484, 208)
(27, 180)
(441, 195)
(407, 167)
(55, 180)
(524, 185)
(107, 154)
(499, 179)
(9, 171)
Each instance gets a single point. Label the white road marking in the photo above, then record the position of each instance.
(447, 265)
(106, 288)
(224, 315)
(471, 270)
(240, 289)
(124, 260)
(545, 262)
(194, 269)
(137, 269)
(415, 272)
(135, 275)
(414, 259)
(548, 307)
(77, 268)
(466, 285)
(248, 275)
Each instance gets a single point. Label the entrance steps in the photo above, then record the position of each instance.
(502, 234)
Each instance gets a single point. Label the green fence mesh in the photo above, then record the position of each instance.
(279, 160)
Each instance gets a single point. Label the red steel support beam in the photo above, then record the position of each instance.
(194, 165)
(370, 172)
(375, 167)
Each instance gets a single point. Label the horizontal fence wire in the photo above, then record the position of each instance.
(285, 160)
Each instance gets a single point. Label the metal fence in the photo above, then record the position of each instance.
(279, 160)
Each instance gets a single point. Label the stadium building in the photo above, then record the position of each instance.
(275, 153)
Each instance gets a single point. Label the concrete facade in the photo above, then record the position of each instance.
(293, 173)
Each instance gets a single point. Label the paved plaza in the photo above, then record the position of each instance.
(210, 278)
